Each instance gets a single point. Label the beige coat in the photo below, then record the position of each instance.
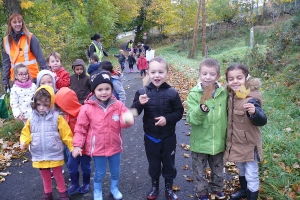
(242, 136)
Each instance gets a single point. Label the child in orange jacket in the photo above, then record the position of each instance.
(66, 99)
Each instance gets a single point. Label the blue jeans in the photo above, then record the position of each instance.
(100, 163)
(83, 161)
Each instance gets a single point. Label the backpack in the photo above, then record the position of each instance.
(5, 109)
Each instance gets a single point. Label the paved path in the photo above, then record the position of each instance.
(25, 182)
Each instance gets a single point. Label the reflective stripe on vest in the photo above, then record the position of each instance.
(20, 53)
(98, 51)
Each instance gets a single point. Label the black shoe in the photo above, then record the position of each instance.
(168, 191)
(241, 193)
(47, 196)
(252, 195)
(155, 189)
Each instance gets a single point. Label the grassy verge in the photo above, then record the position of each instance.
(279, 171)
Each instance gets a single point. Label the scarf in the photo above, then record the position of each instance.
(26, 84)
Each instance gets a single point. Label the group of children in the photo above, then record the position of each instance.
(59, 121)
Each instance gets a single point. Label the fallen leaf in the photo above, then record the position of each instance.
(296, 166)
(207, 93)
(175, 187)
(186, 155)
(188, 134)
(185, 167)
(189, 179)
(242, 93)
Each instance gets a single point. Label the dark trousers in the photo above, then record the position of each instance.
(161, 157)
(84, 161)
(130, 66)
(143, 71)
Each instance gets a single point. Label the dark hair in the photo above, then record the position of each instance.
(106, 65)
(210, 62)
(94, 57)
(237, 66)
(159, 60)
(41, 95)
(96, 36)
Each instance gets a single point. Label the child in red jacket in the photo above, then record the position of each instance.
(66, 99)
(62, 78)
(101, 136)
(143, 65)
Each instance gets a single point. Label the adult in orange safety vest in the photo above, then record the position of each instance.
(20, 46)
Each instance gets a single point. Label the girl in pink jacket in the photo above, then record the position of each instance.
(98, 132)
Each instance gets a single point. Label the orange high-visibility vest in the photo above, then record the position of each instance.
(20, 53)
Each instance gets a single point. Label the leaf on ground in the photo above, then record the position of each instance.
(186, 155)
(185, 167)
(175, 187)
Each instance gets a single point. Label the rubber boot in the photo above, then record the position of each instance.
(114, 190)
(252, 195)
(47, 196)
(98, 191)
(168, 190)
(241, 193)
(64, 196)
(155, 189)
(85, 188)
(74, 187)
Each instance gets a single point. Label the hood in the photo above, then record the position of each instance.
(51, 92)
(199, 84)
(43, 73)
(67, 101)
(79, 62)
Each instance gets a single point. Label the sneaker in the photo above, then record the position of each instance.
(219, 195)
(202, 196)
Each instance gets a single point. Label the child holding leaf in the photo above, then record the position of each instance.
(207, 105)
(244, 139)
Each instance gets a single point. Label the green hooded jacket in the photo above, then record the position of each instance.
(208, 133)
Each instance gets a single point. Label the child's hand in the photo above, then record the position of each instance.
(20, 117)
(250, 108)
(204, 108)
(143, 99)
(161, 121)
(127, 118)
(76, 151)
(22, 145)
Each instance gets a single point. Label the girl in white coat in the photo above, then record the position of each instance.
(21, 93)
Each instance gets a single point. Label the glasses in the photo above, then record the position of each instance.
(25, 74)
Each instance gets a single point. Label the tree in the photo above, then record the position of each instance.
(203, 27)
(192, 52)
(12, 6)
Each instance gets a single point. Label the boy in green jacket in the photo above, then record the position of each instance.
(207, 105)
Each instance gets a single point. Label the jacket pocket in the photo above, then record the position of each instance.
(240, 137)
(239, 115)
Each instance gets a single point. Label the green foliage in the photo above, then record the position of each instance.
(221, 10)
(11, 130)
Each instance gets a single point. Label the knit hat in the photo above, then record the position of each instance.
(43, 73)
(98, 78)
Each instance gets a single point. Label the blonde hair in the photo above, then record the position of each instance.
(55, 55)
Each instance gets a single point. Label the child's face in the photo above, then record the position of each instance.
(46, 80)
(103, 91)
(54, 63)
(235, 79)
(78, 69)
(22, 75)
(93, 61)
(208, 75)
(158, 73)
(43, 106)
(142, 55)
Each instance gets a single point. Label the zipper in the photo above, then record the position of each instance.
(43, 134)
(231, 123)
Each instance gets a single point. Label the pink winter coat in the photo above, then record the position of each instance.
(142, 63)
(98, 129)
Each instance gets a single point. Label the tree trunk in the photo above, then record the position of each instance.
(263, 10)
(203, 27)
(192, 53)
(12, 6)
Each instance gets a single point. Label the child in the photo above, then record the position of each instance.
(80, 82)
(94, 66)
(46, 77)
(162, 110)
(244, 139)
(21, 93)
(131, 61)
(67, 101)
(143, 65)
(101, 136)
(121, 58)
(116, 77)
(62, 77)
(45, 132)
(208, 119)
